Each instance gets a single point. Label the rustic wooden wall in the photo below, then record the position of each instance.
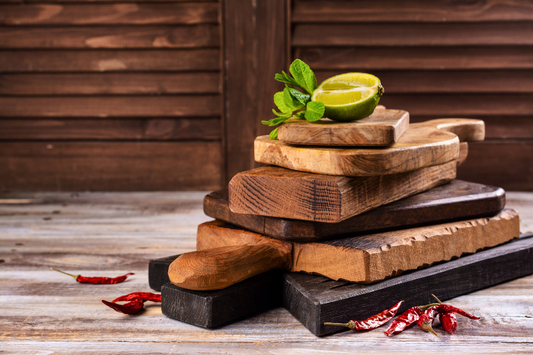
(439, 58)
(107, 95)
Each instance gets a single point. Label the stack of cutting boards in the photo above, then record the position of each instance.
(357, 203)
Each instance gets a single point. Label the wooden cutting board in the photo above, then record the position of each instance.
(423, 144)
(450, 202)
(276, 192)
(382, 128)
(226, 254)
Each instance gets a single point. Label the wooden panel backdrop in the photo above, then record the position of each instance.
(104, 95)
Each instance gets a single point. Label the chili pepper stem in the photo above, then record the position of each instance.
(435, 297)
(350, 324)
(66, 273)
(426, 326)
(424, 307)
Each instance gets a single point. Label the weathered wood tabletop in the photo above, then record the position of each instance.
(44, 312)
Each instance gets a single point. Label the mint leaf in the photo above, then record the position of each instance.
(275, 121)
(279, 100)
(303, 75)
(315, 111)
(274, 134)
(285, 78)
(300, 114)
(282, 114)
(301, 97)
(290, 101)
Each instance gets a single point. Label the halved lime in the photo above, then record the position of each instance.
(350, 96)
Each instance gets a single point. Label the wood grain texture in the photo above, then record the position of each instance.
(414, 34)
(362, 259)
(382, 128)
(454, 201)
(411, 11)
(314, 300)
(109, 84)
(111, 106)
(277, 192)
(423, 144)
(118, 13)
(357, 58)
(98, 60)
(118, 166)
(114, 233)
(110, 129)
(192, 36)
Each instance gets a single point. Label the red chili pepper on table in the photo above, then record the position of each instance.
(97, 280)
(404, 321)
(448, 321)
(132, 307)
(427, 318)
(142, 296)
(372, 322)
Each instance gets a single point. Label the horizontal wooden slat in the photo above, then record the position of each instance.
(411, 11)
(502, 163)
(121, 166)
(119, 13)
(450, 81)
(111, 37)
(366, 58)
(108, 60)
(461, 105)
(111, 129)
(111, 106)
(91, 1)
(109, 83)
(414, 34)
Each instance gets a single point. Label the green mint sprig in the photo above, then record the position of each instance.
(292, 102)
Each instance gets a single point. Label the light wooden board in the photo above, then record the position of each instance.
(276, 192)
(382, 128)
(227, 255)
(423, 144)
(114, 233)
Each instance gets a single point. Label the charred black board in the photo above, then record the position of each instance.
(314, 300)
(211, 309)
(458, 200)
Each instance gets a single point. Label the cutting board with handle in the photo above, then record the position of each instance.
(423, 144)
(453, 201)
(227, 254)
(382, 128)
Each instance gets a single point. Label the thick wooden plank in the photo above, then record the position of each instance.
(109, 83)
(505, 163)
(227, 254)
(423, 144)
(414, 34)
(193, 36)
(111, 106)
(276, 192)
(449, 81)
(314, 300)
(111, 129)
(411, 11)
(382, 128)
(56, 166)
(454, 201)
(113, 14)
(97, 60)
(416, 58)
(461, 105)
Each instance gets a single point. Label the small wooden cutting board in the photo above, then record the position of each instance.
(226, 254)
(423, 144)
(382, 128)
(457, 200)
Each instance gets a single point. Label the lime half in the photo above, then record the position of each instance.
(350, 96)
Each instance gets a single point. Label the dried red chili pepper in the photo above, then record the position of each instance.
(404, 321)
(142, 296)
(97, 280)
(132, 307)
(427, 318)
(372, 322)
(446, 308)
(449, 322)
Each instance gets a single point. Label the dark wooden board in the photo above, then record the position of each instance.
(314, 300)
(211, 309)
(454, 201)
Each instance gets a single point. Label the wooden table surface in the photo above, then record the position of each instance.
(44, 312)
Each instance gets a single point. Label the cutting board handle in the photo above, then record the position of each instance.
(218, 268)
(467, 129)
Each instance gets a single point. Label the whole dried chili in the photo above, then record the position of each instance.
(427, 318)
(142, 296)
(404, 321)
(448, 321)
(372, 322)
(132, 307)
(446, 308)
(97, 280)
